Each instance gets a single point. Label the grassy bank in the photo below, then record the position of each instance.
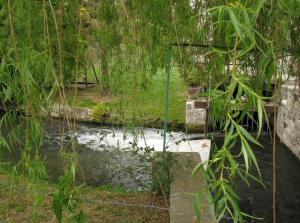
(137, 105)
(21, 201)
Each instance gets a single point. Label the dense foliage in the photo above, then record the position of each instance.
(47, 44)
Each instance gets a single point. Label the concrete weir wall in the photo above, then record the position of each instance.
(288, 117)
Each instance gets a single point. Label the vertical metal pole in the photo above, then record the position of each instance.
(207, 108)
(168, 69)
(274, 165)
(206, 123)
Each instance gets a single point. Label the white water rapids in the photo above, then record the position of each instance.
(99, 139)
(120, 156)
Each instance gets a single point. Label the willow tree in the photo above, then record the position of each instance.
(42, 49)
(244, 43)
(38, 59)
(255, 36)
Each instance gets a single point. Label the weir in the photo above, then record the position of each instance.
(184, 187)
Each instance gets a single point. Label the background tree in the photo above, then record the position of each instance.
(42, 50)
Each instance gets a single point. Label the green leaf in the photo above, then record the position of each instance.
(221, 215)
(243, 176)
(235, 207)
(57, 207)
(233, 164)
(80, 218)
(258, 7)
(251, 156)
(232, 192)
(197, 169)
(258, 180)
(235, 23)
(247, 49)
(198, 206)
(245, 155)
(247, 135)
(260, 116)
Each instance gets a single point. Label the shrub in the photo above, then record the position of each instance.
(100, 112)
(161, 173)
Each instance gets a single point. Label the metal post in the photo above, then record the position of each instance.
(168, 69)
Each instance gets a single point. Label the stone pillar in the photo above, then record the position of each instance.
(196, 115)
(288, 117)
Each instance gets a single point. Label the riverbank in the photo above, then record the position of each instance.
(109, 119)
(21, 201)
(127, 105)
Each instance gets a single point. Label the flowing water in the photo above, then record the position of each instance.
(257, 200)
(106, 155)
(113, 156)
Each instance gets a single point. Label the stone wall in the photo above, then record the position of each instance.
(80, 114)
(288, 117)
(196, 115)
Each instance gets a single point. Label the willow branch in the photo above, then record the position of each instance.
(12, 30)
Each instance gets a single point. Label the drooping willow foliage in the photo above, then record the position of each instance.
(255, 36)
(38, 57)
(46, 44)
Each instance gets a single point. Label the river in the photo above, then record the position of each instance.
(106, 157)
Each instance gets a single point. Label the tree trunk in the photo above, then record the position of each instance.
(104, 71)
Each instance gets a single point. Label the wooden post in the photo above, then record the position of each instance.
(95, 74)
(274, 164)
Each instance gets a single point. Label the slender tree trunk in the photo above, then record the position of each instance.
(12, 30)
(104, 71)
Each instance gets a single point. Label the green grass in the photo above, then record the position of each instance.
(137, 104)
(131, 103)
(17, 197)
(86, 103)
(149, 103)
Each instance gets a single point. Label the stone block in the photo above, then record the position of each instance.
(289, 123)
(193, 92)
(288, 118)
(284, 93)
(290, 101)
(296, 111)
(195, 117)
(284, 103)
(189, 105)
(297, 127)
(297, 106)
(281, 111)
(292, 138)
(280, 125)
